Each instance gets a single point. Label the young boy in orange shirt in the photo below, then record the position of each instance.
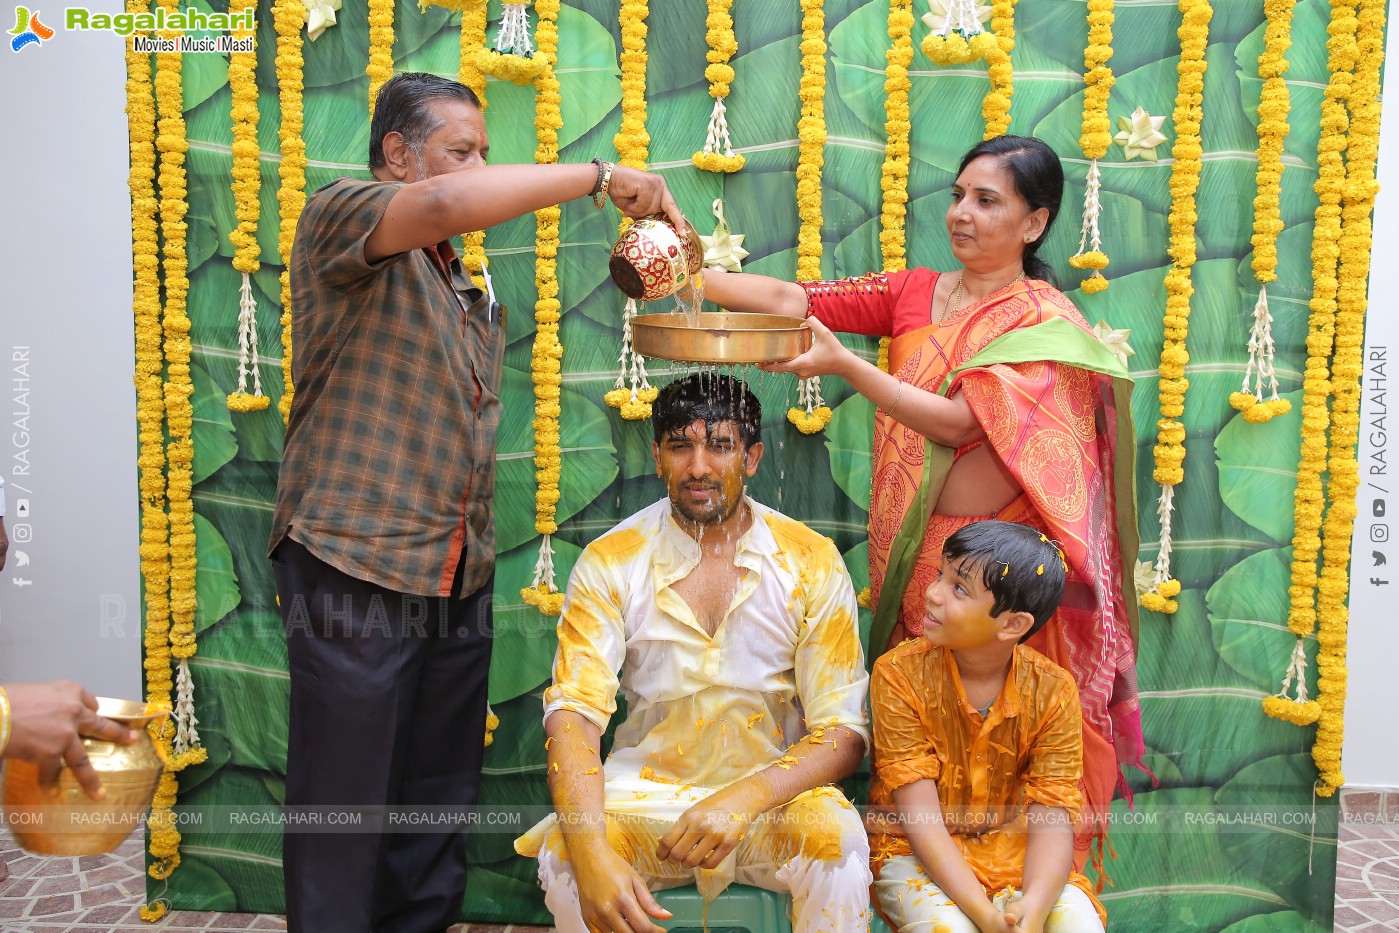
(978, 751)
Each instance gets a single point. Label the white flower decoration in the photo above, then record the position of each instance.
(965, 16)
(724, 250)
(1115, 340)
(1144, 577)
(320, 16)
(1140, 135)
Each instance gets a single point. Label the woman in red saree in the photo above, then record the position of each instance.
(999, 403)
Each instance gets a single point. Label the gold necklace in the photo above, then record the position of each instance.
(957, 296)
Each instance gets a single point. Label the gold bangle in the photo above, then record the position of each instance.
(898, 394)
(605, 179)
(5, 722)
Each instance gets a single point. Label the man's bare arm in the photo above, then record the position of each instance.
(424, 213)
(613, 896)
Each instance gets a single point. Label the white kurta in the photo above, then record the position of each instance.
(704, 711)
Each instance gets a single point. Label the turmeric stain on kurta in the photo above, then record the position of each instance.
(808, 826)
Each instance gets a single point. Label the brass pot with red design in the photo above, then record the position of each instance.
(652, 260)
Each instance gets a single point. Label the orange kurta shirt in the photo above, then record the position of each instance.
(1028, 749)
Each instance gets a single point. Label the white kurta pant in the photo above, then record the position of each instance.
(914, 904)
(814, 849)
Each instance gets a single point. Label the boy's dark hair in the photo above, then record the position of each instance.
(403, 107)
(1022, 569)
(709, 397)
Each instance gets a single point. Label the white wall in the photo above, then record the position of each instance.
(66, 395)
(1370, 755)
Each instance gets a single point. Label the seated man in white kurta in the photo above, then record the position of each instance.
(734, 631)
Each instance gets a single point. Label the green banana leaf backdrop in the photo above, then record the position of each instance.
(1203, 671)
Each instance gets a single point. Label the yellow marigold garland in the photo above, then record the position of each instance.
(811, 414)
(1309, 497)
(893, 181)
(717, 155)
(1094, 139)
(956, 36)
(179, 458)
(1273, 108)
(155, 909)
(513, 68)
(1185, 179)
(179, 390)
(1096, 130)
(633, 143)
(546, 361)
(519, 63)
(288, 17)
(632, 392)
(1302, 713)
(150, 413)
(1362, 154)
(247, 180)
(380, 67)
(995, 107)
(473, 40)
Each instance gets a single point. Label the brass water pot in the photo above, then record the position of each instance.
(63, 820)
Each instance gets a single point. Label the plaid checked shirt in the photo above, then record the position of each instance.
(389, 465)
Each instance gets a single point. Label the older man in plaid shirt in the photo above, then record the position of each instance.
(382, 539)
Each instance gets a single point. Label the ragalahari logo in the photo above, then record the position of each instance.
(28, 30)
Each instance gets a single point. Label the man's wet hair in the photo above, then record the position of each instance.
(710, 397)
(404, 107)
(1022, 569)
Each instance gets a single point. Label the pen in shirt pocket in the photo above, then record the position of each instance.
(494, 310)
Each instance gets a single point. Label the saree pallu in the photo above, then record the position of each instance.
(1053, 403)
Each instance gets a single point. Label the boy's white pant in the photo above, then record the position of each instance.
(914, 904)
(824, 867)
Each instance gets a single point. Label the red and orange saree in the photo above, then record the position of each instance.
(1053, 403)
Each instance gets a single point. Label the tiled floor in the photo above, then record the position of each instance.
(104, 892)
(1367, 866)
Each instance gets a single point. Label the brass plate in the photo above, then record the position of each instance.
(720, 337)
(134, 713)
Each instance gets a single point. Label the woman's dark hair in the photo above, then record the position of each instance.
(709, 397)
(1023, 570)
(402, 107)
(1039, 179)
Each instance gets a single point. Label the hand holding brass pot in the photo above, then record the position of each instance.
(653, 260)
(60, 819)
